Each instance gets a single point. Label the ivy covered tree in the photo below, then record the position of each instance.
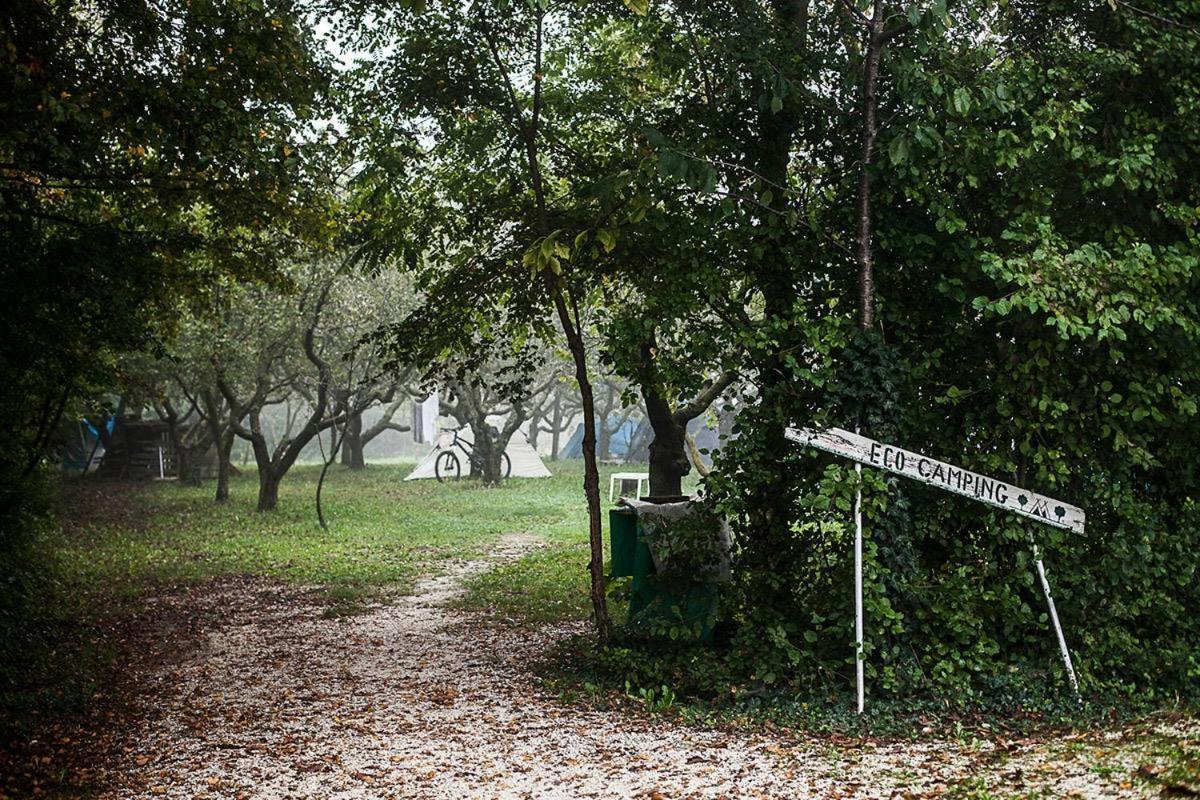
(987, 252)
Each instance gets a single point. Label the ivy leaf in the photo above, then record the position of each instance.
(639, 7)
(607, 238)
(962, 100)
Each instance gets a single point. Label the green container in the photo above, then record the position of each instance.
(623, 541)
(695, 607)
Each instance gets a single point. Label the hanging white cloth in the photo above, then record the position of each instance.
(424, 419)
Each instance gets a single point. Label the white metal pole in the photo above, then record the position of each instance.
(858, 588)
(1058, 631)
(162, 473)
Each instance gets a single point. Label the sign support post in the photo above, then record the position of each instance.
(859, 656)
(1058, 631)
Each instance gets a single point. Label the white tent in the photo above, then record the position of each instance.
(526, 463)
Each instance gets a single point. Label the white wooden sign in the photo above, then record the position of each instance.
(942, 475)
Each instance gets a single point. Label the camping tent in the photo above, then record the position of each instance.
(525, 461)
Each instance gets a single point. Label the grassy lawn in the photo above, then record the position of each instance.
(383, 533)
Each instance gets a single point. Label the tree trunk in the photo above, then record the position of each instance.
(668, 453)
(556, 425)
(603, 442)
(185, 465)
(268, 490)
(535, 427)
(573, 329)
(352, 443)
(222, 441)
(591, 473)
(224, 445)
(864, 253)
(488, 454)
(268, 478)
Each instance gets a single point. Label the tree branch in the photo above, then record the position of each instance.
(702, 401)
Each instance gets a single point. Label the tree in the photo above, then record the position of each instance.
(465, 113)
(562, 407)
(477, 391)
(611, 396)
(142, 150)
(669, 452)
(1019, 283)
(308, 348)
(356, 437)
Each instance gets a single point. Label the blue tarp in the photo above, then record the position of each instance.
(618, 447)
(95, 433)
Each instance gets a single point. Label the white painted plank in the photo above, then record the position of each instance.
(944, 476)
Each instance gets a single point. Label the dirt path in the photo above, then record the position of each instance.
(415, 700)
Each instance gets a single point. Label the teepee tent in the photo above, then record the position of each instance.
(526, 463)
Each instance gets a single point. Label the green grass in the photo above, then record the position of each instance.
(383, 533)
(123, 540)
(550, 584)
(546, 586)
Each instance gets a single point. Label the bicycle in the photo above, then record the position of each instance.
(447, 465)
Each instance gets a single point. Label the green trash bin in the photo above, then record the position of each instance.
(650, 603)
(695, 607)
(623, 541)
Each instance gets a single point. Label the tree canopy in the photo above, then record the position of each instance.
(148, 151)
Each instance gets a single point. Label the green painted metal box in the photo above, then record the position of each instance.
(648, 603)
(623, 542)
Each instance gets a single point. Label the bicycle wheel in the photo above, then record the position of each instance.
(447, 467)
(505, 465)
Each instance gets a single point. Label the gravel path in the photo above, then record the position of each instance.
(417, 700)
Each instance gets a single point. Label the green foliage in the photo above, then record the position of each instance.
(689, 168)
(148, 152)
(45, 663)
(645, 669)
(1038, 275)
(1037, 270)
(686, 550)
